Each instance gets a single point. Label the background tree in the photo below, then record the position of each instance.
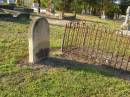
(123, 5)
(101, 8)
(44, 3)
(39, 2)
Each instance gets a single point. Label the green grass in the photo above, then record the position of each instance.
(14, 41)
(60, 82)
(56, 36)
(96, 19)
(46, 81)
(111, 23)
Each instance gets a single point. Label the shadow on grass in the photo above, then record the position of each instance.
(79, 66)
(15, 20)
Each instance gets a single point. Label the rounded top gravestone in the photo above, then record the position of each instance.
(38, 40)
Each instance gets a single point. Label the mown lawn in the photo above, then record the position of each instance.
(96, 19)
(112, 23)
(58, 80)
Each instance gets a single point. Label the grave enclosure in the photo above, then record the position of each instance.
(97, 44)
(94, 43)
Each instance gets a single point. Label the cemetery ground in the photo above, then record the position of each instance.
(54, 78)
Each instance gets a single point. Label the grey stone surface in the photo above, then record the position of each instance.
(125, 25)
(39, 44)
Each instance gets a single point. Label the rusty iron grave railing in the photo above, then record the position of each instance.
(97, 44)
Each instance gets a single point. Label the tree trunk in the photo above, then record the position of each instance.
(125, 25)
(75, 14)
(63, 10)
(115, 16)
(49, 5)
(103, 16)
(61, 14)
(90, 11)
(17, 2)
(39, 2)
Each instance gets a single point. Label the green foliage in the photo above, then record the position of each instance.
(48, 81)
(77, 6)
(60, 82)
(44, 3)
(114, 9)
(97, 6)
(59, 4)
(14, 43)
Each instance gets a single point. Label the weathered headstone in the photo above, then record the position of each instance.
(38, 40)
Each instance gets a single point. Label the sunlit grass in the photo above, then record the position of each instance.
(14, 40)
(112, 23)
(59, 81)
